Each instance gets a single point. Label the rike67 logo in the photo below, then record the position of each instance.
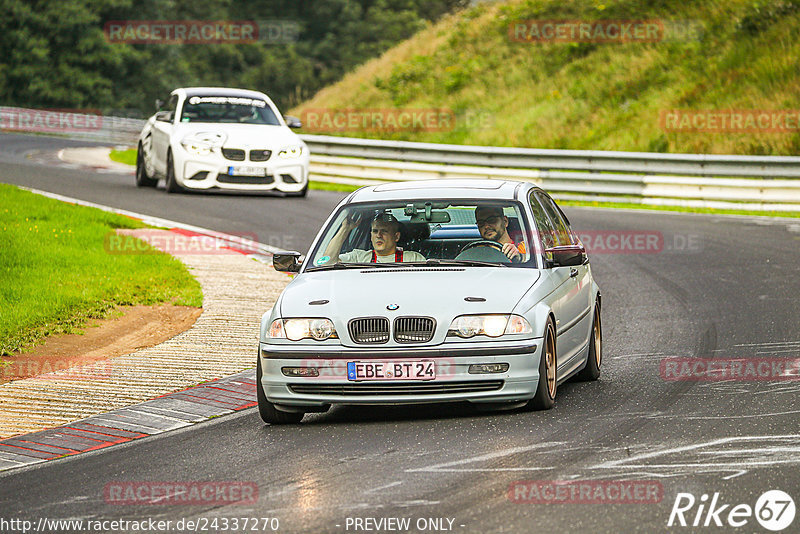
(774, 510)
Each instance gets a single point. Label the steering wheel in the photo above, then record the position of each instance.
(487, 243)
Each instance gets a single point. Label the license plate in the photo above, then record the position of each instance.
(419, 370)
(247, 171)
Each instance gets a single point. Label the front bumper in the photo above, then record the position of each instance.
(211, 172)
(453, 381)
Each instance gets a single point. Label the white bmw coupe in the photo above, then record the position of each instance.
(206, 138)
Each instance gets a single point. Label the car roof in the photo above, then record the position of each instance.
(441, 189)
(220, 91)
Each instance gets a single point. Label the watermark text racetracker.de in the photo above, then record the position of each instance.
(197, 524)
(585, 492)
(604, 31)
(180, 493)
(56, 369)
(729, 369)
(637, 241)
(201, 31)
(393, 119)
(50, 120)
(730, 121)
(151, 240)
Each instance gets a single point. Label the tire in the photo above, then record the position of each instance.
(267, 411)
(546, 391)
(142, 178)
(594, 360)
(172, 184)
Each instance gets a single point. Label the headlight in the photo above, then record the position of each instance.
(198, 149)
(318, 328)
(467, 326)
(203, 143)
(291, 152)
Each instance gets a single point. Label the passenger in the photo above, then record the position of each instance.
(493, 226)
(384, 234)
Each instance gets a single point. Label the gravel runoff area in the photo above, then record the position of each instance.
(237, 290)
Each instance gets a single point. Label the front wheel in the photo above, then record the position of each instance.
(545, 395)
(142, 178)
(172, 184)
(594, 359)
(267, 411)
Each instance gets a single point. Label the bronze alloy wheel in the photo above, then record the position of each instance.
(550, 363)
(598, 340)
(546, 389)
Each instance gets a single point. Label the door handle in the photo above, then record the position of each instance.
(573, 272)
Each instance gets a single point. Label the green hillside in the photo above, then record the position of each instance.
(712, 55)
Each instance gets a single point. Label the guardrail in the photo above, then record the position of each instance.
(89, 125)
(697, 180)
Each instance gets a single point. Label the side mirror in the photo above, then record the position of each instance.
(164, 116)
(293, 122)
(567, 255)
(289, 262)
(159, 103)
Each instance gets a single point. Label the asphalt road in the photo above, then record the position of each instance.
(719, 288)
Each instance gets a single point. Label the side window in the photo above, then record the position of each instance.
(544, 228)
(562, 234)
(172, 105)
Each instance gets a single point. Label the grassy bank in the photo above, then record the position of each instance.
(55, 272)
(127, 157)
(712, 55)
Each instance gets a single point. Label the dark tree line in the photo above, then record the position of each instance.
(56, 55)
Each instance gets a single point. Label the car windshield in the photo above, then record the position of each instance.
(469, 233)
(227, 109)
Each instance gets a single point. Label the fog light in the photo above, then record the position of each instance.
(487, 368)
(300, 371)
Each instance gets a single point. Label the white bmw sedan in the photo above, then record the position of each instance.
(206, 138)
(435, 291)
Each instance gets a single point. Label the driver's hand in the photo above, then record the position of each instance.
(510, 250)
(351, 221)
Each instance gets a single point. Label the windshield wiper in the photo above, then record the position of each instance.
(471, 263)
(340, 265)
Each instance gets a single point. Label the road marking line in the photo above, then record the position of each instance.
(391, 485)
(625, 463)
(482, 457)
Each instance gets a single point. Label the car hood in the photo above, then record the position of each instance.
(433, 292)
(244, 136)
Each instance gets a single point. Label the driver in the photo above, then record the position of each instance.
(384, 234)
(493, 226)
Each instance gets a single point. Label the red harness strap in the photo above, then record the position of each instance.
(398, 256)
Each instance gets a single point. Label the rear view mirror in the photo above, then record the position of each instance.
(289, 262)
(293, 122)
(567, 255)
(420, 213)
(435, 217)
(164, 116)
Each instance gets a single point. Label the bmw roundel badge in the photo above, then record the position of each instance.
(392, 307)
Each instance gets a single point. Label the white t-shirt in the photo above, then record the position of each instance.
(365, 256)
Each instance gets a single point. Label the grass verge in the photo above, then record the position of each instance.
(55, 273)
(127, 157)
